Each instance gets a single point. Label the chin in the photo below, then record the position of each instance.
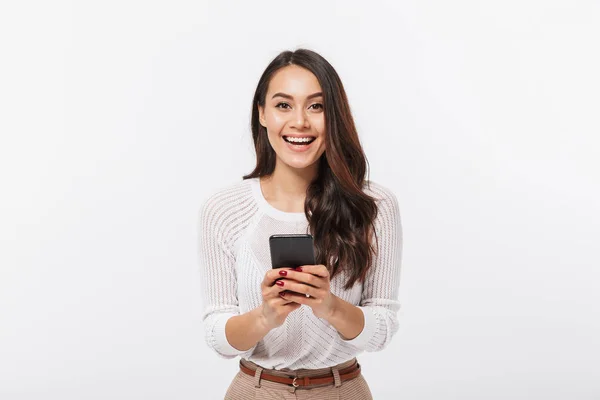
(299, 164)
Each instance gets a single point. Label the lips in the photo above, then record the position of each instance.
(310, 139)
(299, 147)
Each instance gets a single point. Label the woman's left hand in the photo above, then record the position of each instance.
(314, 281)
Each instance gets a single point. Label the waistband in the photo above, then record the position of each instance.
(301, 372)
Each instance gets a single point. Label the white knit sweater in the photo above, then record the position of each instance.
(234, 225)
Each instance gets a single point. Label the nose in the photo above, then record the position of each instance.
(299, 119)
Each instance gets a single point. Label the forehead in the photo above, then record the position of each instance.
(294, 80)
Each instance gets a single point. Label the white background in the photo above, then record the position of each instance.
(117, 118)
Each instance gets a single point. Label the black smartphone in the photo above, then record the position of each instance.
(291, 250)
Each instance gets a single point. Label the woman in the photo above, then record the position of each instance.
(298, 331)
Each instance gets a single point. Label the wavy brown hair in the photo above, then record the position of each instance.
(340, 214)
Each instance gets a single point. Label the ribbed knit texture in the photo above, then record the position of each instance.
(234, 225)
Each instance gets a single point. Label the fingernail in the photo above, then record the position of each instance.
(299, 269)
(279, 283)
(283, 272)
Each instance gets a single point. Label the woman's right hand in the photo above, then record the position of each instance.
(275, 309)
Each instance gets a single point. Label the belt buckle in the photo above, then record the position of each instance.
(294, 383)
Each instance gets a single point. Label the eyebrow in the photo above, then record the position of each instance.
(287, 96)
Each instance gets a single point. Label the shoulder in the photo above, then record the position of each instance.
(227, 205)
(381, 193)
(386, 200)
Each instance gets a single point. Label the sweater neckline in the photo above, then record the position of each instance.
(268, 209)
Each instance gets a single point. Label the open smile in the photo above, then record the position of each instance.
(299, 143)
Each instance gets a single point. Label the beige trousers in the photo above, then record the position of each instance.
(246, 387)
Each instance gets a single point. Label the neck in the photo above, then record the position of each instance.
(286, 187)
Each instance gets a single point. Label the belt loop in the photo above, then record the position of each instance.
(294, 386)
(257, 374)
(336, 377)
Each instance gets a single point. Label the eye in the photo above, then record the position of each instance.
(279, 104)
(318, 104)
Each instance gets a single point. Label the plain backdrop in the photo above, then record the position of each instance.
(117, 118)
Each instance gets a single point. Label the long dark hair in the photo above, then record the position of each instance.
(340, 214)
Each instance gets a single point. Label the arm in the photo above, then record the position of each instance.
(372, 324)
(246, 330)
(346, 318)
(226, 332)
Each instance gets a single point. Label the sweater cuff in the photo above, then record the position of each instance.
(223, 347)
(368, 331)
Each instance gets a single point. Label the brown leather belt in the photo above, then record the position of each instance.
(346, 374)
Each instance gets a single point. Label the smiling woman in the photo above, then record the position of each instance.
(301, 328)
(297, 124)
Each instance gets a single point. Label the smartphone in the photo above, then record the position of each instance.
(291, 250)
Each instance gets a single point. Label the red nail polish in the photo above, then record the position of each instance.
(279, 283)
(283, 272)
(299, 269)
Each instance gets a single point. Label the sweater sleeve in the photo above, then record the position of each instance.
(218, 277)
(379, 301)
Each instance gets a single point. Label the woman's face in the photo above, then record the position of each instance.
(294, 111)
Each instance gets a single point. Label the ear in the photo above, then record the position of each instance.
(261, 115)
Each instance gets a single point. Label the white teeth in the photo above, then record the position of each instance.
(298, 140)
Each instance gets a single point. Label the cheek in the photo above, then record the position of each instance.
(274, 127)
(318, 124)
(274, 140)
(276, 121)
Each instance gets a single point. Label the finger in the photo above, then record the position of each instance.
(298, 287)
(281, 301)
(277, 288)
(291, 306)
(270, 292)
(318, 270)
(298, 298)
(273, 274)
(307, 278)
